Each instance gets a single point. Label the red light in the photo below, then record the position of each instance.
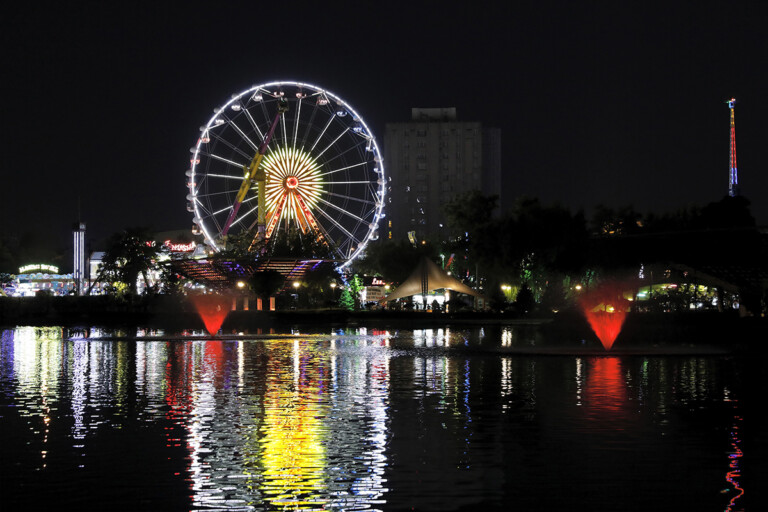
(605, 309)
(213, 309)
(291, 182)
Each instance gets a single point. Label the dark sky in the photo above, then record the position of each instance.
(620, 103)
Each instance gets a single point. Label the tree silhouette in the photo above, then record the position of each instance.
(267, 284)
(130, 254)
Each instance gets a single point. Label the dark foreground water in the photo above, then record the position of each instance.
(441, 419)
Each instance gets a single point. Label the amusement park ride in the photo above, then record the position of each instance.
(287, 157)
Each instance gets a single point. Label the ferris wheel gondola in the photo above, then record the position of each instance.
(282, 156)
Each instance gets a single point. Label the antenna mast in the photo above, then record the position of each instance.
(733, 181)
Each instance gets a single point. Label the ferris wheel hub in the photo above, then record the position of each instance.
(291, 182)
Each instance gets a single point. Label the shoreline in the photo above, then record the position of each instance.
(706, 331)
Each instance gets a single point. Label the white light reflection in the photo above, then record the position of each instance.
(506, 337)
(364, 396)
(579, 380)
(507, 387)
(36, 356)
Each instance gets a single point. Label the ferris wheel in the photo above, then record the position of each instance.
(287, 156)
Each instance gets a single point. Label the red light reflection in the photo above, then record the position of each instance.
(605, 391)
(733, 476)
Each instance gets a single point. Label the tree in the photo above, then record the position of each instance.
(266, 284)
(318, 282)
(355, 288)
(393, 261)
(238, 246)
(467, 211)
(624, 221)
(171, 283)
(524, 301)
(346, 301)
(295, 244)
(130, 254)
(6, 278)
(729, 212)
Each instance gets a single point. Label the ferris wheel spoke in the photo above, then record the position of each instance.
(320, 136)
(244, 136)
(342, 210)
(349, 198)
(296, 122)
(213, 195)
(309, 124)
(353, 182)
(338, 225)
(332, 143)
(242, 217)
(226, 161)
(230, 146)
(341, 154)
(253, 123)
(343, 169)
(225, 176)
(284, 126)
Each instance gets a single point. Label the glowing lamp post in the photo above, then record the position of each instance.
(333, 290)
(296, 285)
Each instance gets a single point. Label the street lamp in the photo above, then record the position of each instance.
(296, 285)
(333, 292)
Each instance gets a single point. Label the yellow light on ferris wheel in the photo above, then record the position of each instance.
(291, 171)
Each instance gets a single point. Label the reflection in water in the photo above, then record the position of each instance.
(604, 395)
(733, 476)
(362, 419)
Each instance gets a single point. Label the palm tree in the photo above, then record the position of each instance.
(130, 254)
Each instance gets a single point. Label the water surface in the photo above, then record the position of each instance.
(444, 419)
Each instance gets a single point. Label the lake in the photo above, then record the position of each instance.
(467, 418)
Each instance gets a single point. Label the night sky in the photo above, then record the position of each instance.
(612, 102)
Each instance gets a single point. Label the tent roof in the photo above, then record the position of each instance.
(435, 279)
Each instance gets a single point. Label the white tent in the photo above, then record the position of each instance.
(427, 277)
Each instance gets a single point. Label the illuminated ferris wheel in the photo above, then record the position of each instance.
(287, 156)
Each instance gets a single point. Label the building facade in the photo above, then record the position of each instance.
(430, 159)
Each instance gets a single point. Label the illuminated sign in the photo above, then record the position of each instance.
(377, 282)
(174, 247)
(39, 267)
(373, 293)
(179, 247)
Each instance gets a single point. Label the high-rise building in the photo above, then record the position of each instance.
(430, 159)
(79, 268)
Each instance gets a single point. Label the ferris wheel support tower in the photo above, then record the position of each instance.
(733, 180)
